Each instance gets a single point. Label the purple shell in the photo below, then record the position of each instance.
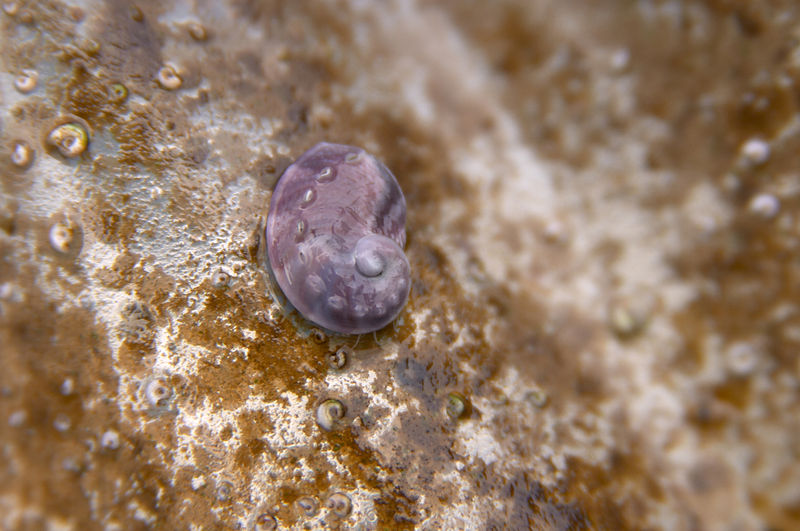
(335, 238)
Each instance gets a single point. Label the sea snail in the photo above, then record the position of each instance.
(335, 236)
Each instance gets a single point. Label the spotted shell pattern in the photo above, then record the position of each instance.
(335, 237)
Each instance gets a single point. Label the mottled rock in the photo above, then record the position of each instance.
(559, 160)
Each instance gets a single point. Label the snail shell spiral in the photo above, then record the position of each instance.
(335, 236)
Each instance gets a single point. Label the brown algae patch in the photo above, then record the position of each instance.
(55, 404)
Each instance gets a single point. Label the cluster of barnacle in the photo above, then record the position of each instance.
(70, 135)
(338, 505)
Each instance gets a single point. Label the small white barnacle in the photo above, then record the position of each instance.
(168, 78)
(70, 139)
(109, 440)
(765, 205)
(329, 413)
(308, 505)
(60, 236)
(26, 81)
(21, 154)
(339, 504)
(157, 392)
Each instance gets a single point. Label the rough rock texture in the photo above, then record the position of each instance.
(603, 229)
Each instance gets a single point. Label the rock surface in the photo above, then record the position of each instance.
(603, 230)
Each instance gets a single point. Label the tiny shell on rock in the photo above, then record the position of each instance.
(329, 413)
(21, 154)
(168, 78)
(61, 237)
(70, 139)
(26, 81)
